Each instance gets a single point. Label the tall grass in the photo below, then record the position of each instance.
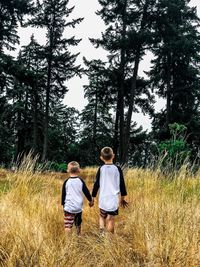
(159, 228)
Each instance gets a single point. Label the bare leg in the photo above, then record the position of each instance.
(102, 223)
(68, 231)
(78, 230)
(110, 223)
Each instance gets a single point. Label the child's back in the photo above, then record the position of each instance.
(109, 182)
(72, 198)
(73, 190)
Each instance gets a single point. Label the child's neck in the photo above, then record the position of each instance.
(73, 174)
(108, 161)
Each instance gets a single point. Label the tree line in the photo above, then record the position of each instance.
(33, 116)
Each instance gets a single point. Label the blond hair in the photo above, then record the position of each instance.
(107, 153)
(73, 167)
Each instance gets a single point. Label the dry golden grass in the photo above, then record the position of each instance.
(161, 226)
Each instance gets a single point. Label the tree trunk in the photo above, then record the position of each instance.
(25, 122)
(120, 101)
(116, 130)
(20, 134)
(46, 120)
(133, 85)
(35, 118)
(48, 88)
(95, 148)
(168, 105)
(130, 108)
(121, 122)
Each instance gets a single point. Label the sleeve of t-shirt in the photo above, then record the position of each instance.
(122, 183)
(96, 184)
(86, 192)
(63, 193)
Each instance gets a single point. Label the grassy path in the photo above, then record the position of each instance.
(160, 227)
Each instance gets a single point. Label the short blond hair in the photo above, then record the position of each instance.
(107, 153)
(73, 167)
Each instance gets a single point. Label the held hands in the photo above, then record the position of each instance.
(91, 203)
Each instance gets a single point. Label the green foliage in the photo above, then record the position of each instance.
(174, 75)
(63, 133)
(175, 151)
(4, 186)
(35, 83)
(173, 147)
(141, 148)
(96, 119)
(127, 35)
(11, 14)
(177, 130)
(32, 86)
(58, 167)
(58, 61)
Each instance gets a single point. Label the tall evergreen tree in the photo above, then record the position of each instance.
(11, 13)
(32, 58)
(6, 131)
(60, 63)
(63, 133)
(96, 118)
(20, 94)
(141, 147)
(127, 36)
(175, 71)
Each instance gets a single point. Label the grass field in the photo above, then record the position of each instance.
(161, 226)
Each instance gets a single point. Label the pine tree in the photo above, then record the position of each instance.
(32, 58)
(175, 71)
(96, 118)
(141, 147)
(60, 63)
(11, 13)
(127, 36)
(63, 133)
(6, 131)
(20, 94)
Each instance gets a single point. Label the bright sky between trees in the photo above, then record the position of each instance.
(91, 27)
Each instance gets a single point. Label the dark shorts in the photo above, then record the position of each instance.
(72, 218)
(104, 213)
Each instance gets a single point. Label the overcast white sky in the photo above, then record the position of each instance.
(92, 26)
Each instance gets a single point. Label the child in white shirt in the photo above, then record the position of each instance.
(109, 182)
(72, 198)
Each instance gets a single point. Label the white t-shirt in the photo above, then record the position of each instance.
(109, 182)
(73, 191)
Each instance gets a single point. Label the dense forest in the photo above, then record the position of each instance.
(33, 116)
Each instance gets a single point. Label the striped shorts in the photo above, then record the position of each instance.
(104, 213)
(72, 218)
